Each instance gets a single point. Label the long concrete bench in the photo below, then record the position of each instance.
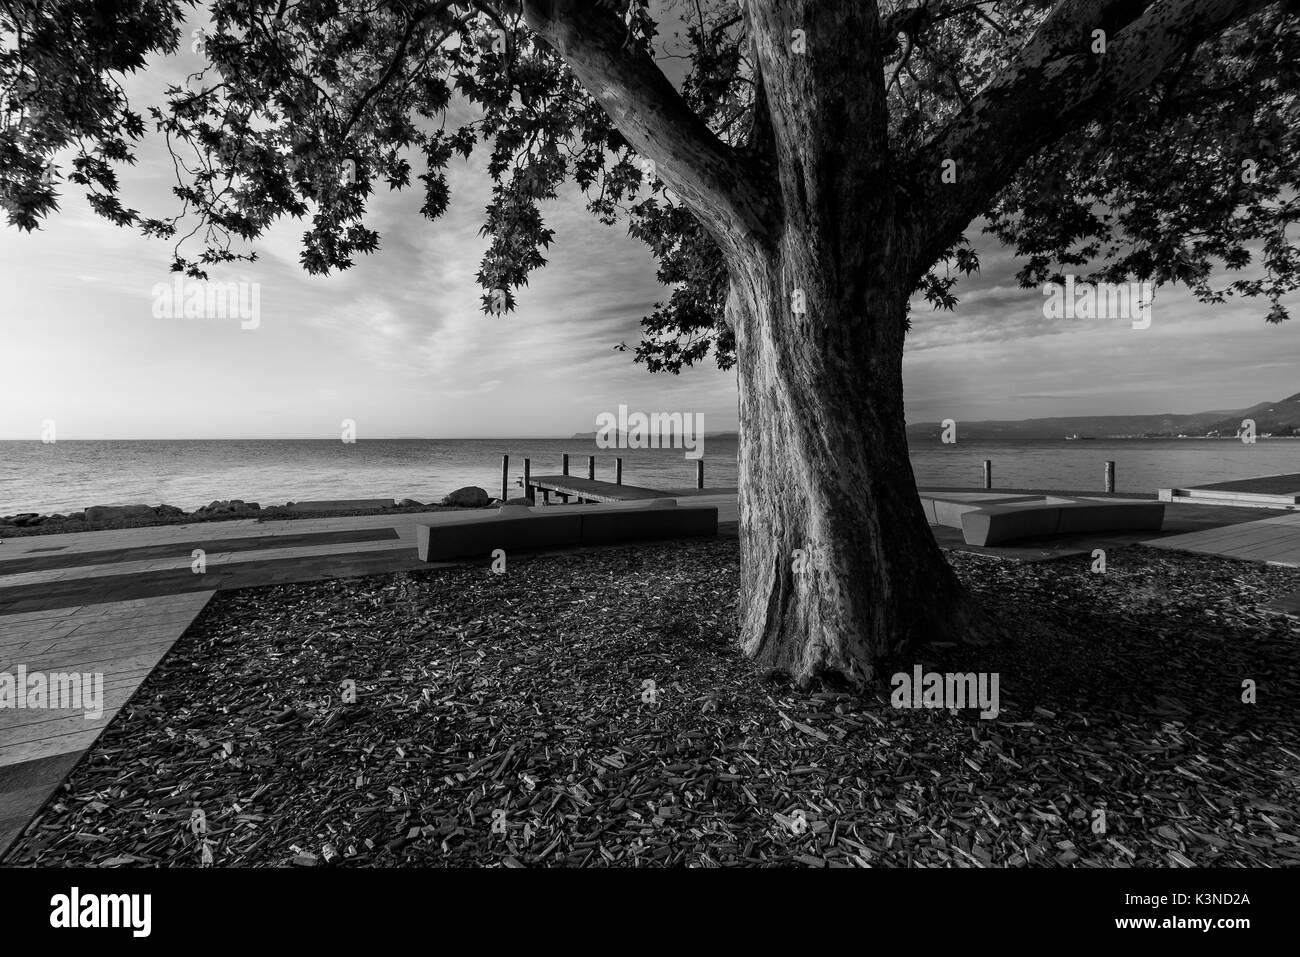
(515, 527)
(995, 524)
(948, 509)
(655, 520)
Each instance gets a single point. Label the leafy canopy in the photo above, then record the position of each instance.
(304, 109)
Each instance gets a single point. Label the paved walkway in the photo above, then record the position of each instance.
(1275, 540)
(121, 641)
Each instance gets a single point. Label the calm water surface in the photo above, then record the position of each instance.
(70, 475)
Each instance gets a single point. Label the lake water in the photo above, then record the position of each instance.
(70, 475)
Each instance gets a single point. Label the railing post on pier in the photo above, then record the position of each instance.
(591, 467)
(564, 469)
(699, 473)
(528, 477)
(1110, 476)
(505, 477)
(618, 470)
(988, 473)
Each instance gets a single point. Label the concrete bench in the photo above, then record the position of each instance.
(656, 520)
(995, 524)
(948, 510)
(516, 527)
(506, 529)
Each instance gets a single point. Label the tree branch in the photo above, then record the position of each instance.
(722, 188)
(1056, 84)
(398, 57)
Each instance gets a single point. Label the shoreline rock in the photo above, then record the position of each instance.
(471, 496)
(105, 517)
(97, 514)
(234, 508)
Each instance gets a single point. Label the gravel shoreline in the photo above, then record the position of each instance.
(505, 720)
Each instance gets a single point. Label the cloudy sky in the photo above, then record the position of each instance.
(399, 345)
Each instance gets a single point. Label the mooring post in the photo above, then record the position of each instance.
(1110, 476)
(564, 467)
(528, 477)
(505, 477)
(988, 473)
(618, 471)
(699, 473)
(591, 467)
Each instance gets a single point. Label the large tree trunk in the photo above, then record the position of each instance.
(824, 468)
(812, 206)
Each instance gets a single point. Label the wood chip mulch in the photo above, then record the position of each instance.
(510, 720)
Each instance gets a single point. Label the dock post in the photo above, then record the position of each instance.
(618, 470)
(699, 473)
(988, 473)
(564, 467)
(505, 477)
(1110, 476)
(591, 467)
(528, 476)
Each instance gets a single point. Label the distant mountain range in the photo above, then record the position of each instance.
(1271, 418)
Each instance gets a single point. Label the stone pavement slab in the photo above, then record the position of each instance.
(121, 644)
(1275, 539)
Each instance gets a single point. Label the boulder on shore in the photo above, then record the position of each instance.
(471, 496)
(98, 514)
(232, 507)
(410, 503)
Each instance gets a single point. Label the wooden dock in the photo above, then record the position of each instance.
(587, 490)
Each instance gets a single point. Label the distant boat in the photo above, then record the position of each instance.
(1078, 437)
